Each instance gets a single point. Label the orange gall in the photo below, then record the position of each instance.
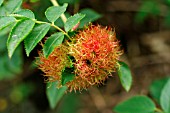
(55, 63)
(96, 51)
(92, 56)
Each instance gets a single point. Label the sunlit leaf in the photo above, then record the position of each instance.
(73, 21)
(136, 104)
(12, 5)
(54, 94)
(18, 34)
(125, 76)
(54, 12)
(26, 13)
(1, 1)
(2, 11)
(165, 97)
(5, 21)
(39, 31)
(53, 41)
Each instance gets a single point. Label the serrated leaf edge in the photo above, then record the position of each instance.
(28, 52)
(10, 55)
(46, 55)
(81, 17)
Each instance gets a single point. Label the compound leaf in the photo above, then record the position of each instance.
(39, 31)
(18, 34)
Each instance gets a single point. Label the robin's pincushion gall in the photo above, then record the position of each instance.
(96, 52)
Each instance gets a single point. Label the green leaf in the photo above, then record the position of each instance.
(53, 41)
(165, 97)
(54, 94)
(33, 1)
(73, 21)
(37, 34)
(72, 102)
(15, 64)
(140, 17)
(136, 104)
(3, 38)
(166, 21)
(54, 12)
(1, 1)
(125, 76)
(10, 68)
(12, 5)
(18, 34)
(67, 76)
(167, 2)
(72, 2)
(156, 88)
(2, 11)
(26, 13)
(5, 21)
(91, 16)
(59, 21)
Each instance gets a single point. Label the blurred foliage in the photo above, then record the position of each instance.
(155, 8)
(69, 104)
(9, 68)
(21, 92)
(91, 16)
(136, 104)
(147, 7)
(72, 2)
(33, 1)
(156, 88)
(54, 94)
